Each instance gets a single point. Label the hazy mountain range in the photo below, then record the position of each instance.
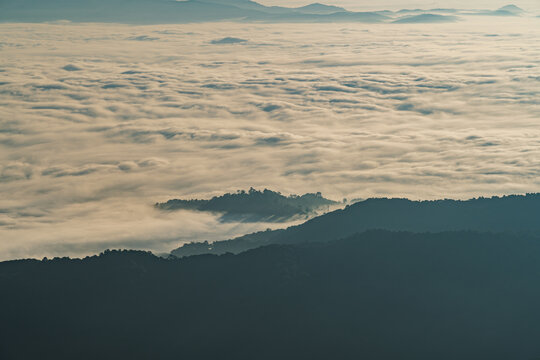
(166, 11)
(518, 213)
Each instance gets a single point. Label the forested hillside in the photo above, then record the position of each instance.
(377, 295)
(516, 213)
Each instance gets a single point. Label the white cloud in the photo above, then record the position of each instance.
(96, 127)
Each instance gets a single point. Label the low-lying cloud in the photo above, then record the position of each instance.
(99, 122)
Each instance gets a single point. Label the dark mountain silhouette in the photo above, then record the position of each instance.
(377, 295)
(516, 213)
(254, 205)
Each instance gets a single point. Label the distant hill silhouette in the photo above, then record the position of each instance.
(228, 40)
(512, 8)
(508, 10)
(254, 205)
(167, 11)
(426, 18)
(318, 8)
(171, 11)
(516, 213)
(377, 295)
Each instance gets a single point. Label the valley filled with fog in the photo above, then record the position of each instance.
(101, 121)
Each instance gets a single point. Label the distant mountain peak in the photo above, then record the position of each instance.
(512, 8)
(426, 18)
(318, 8)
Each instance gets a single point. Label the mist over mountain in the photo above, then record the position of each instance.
(516, 213)
(353, 111)
(254, 205)
(512, 8)
(318, 8)
(508, 10)
(377, 295)
(168, 12)
(228, 40)
(109, 106)
(164, 11)
(426, 18)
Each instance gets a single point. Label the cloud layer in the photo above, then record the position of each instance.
(99, 122)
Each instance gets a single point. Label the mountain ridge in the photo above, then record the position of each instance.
(164, 11)
(375, 295)
(192, 11)
(254, 205)
(512, 213)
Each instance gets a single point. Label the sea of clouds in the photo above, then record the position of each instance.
(99, 122)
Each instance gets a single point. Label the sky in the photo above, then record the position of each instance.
(100, 121)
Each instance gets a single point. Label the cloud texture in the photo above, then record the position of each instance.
(99, 122)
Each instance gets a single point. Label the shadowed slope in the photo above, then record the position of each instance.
(377, 295)
(518, 213)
